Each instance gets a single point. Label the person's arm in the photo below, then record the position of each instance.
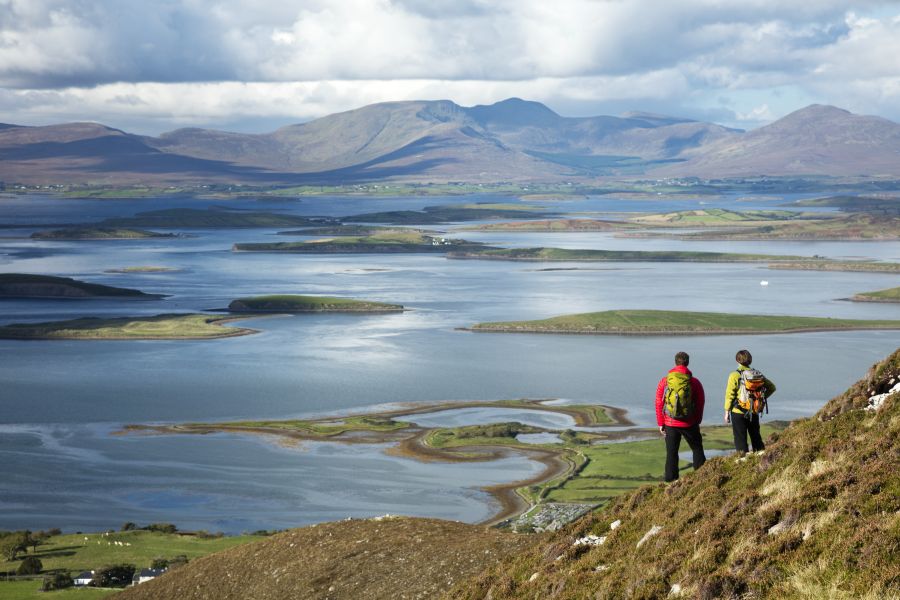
(660, 388)
(731, 393)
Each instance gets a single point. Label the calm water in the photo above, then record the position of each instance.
(61, 400)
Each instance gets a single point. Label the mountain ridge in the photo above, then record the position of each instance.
(440, 141)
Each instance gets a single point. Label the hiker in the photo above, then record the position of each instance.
(679, 411)
(746, 396)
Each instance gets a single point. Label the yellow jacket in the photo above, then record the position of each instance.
(731, 389)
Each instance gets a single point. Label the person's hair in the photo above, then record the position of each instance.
(743, 357)
(682, 359)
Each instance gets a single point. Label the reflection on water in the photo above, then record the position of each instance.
(61, 399)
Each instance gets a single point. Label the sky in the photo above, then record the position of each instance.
(251, 66)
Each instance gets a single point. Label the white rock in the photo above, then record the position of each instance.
(533, 577)
(653, 531)
(875, 402)
(590, 540)
(601, 568)
(676, 589)
(615, 524)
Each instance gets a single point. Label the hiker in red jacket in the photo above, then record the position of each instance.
(679, 411)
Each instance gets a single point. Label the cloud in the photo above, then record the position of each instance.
(174, 61)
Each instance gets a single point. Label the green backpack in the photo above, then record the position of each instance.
(678, 402)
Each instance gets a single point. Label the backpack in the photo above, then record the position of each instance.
(751, 394)
(678, 402)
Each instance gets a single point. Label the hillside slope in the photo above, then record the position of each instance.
(392, 559)
(817, 515)
(813, 140)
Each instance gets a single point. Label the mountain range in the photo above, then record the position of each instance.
(440, 141)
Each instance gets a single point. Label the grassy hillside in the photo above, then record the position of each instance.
(666, 322)
(293, 303)
(717, 217)
(817, 515)
(375, 559)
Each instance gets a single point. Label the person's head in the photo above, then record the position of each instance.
(743, 357)
(682, 359)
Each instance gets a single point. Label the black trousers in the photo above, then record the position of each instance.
(741, 426)
(673, 441)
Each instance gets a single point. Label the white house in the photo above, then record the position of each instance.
(84, 578)
(146, 575)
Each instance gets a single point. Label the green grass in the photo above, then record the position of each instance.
(27, 285)
(159, 327)
(293, 303)
(560, 225)
(659, 322)
(72, 552)
(716, 217)
(888, 295)
(322, 428)
(31, 590)
(572, 255)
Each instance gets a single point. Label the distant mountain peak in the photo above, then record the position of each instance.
(514, 112)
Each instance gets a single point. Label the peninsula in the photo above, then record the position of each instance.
(159, 327)
(552, 225)
(860, 266)
(661, 322)
(213, 218)
(888, 295)
(305, 304)
(25, 285)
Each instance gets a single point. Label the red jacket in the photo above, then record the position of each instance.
(696, 390)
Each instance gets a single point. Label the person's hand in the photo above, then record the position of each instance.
(662, 430)
(728, 416)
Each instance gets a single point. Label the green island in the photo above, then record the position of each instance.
(158, 327)
(301, 304)
(350, 230)
(888, 204)
(862, 227)
(829, 265)
(99, 233)
(75, 553)
(552, 225)
(143, 269)
(662, 322)
(718, 217)
(386, 242)
(888, 295)
(574, 255)
(26, 285)
(434, 215)
(194, 218)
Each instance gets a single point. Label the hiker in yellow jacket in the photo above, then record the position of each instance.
(745, 420)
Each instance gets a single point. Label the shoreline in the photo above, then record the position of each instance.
(410, 442)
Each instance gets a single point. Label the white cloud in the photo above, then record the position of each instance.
(197, 61)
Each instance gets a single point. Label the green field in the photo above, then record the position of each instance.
(660, 322)
(572, 255)
(718, 217)
(888, 295)
(433, 215)
(313, 427)
(849, 227)
(610, 469)
(560, 225)
(159, 327)
(292, 303)
(82, 552)
(25, 285)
